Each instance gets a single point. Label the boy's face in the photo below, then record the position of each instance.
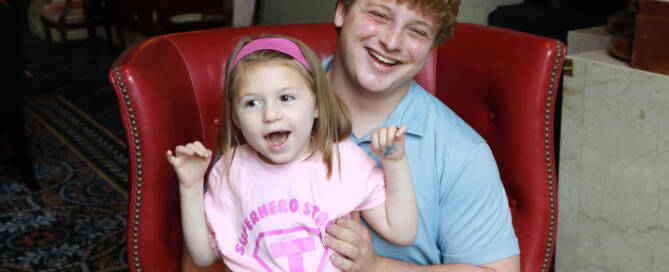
(382, 44)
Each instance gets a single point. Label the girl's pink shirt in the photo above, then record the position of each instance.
(273, 217)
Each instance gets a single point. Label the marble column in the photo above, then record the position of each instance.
(614, 167)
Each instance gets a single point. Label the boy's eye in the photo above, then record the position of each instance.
(286, 97)
(378, 14)
(419, 32)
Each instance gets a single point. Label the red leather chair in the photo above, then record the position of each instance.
(501, 82)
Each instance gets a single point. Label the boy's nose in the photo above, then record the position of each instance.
(391, 38)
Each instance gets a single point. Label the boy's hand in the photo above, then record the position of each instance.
(388, 142)
(190, 162)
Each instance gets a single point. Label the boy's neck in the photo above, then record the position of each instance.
(368, 109)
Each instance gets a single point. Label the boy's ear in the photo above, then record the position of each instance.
(316, 115)
(340, 14)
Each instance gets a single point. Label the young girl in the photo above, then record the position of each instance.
(287, 168)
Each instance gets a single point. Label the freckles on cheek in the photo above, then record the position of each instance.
(367, 27)
(418, 49)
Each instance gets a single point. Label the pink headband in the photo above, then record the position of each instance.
(277, 44)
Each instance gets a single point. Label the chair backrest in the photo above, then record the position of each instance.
(504, 84)
(170, 91)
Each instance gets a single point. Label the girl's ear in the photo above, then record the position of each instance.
(234, 119)
(316, 115)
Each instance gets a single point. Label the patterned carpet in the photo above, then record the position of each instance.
(77, 220)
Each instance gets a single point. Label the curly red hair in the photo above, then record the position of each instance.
(444, 12)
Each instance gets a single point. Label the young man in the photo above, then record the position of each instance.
(465, 222)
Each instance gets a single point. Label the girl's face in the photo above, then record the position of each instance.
(275, 111)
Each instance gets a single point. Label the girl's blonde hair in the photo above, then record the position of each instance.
(332, 125)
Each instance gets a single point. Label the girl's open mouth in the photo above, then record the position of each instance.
(277, 139)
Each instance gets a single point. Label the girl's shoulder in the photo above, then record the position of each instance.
(347, 146)
(235, 155)
(352, 153)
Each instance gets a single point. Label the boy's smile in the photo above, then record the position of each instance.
(377, 56)
(383, 44)
(275, 111)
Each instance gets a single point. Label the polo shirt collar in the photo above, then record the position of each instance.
(408, 112)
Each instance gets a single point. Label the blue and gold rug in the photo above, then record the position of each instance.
(77, 220)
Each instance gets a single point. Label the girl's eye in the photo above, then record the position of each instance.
(286, 98)
(251, 103)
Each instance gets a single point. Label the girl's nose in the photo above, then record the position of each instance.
(271, 113)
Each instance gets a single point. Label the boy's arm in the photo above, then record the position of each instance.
(510, 264)
(397, 220)
(354, 242)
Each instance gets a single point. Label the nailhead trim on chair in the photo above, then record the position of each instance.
(551, 88)
(138, 160)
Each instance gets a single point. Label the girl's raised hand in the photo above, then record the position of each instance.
(190, 162)
(388, 142)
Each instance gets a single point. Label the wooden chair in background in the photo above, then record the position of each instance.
(76, 14)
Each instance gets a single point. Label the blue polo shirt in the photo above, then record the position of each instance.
(464, 215)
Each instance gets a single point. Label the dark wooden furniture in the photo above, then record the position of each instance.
(553, 18)
(74, 14)
(152, 17)
(11, 104)
(651, 36)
